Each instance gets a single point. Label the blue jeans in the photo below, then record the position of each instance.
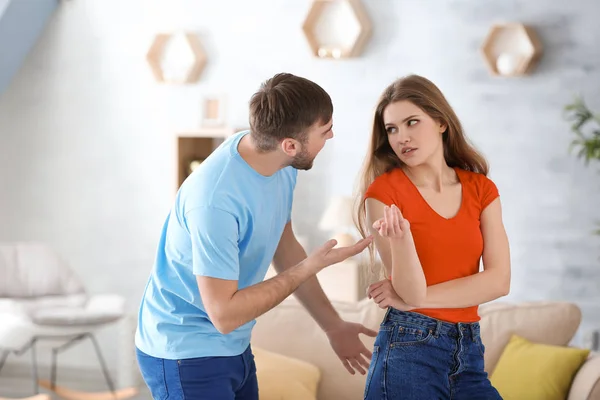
(210, 378)
(416, 357)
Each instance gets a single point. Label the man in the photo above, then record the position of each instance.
(230, 220)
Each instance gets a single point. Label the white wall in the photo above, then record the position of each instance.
(87, 137)
(21, 23)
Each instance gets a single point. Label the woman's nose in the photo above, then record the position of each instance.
(402, 137)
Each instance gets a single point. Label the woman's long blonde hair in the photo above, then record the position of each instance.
(458, 152)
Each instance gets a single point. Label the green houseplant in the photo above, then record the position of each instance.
(586, 127)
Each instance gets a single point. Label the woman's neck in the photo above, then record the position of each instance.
(430, 175)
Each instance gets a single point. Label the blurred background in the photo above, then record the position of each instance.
(106, 105)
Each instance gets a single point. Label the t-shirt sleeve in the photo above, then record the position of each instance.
(489, 192)
(214, 234)
(379, 190)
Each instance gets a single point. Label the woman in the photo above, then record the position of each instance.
(434, 215)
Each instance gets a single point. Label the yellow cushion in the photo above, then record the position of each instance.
(285, 378)
(533, 371)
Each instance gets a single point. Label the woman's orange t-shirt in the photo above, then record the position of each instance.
(447, 248)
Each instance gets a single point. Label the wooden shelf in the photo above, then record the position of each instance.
(193, 147)
(176, 58)
(511, 49)
(337, 28)
(192, 151)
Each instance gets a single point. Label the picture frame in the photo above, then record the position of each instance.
(213, 111)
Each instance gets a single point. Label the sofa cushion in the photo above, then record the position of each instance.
(586, 384)
(288, 329)
(552, 323)
(534, 371)
(285, 378)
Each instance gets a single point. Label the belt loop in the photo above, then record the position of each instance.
(438, 329)
(474, 333)
(387, 314)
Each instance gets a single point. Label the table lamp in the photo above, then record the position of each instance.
(338, 219)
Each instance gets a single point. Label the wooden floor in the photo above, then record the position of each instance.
(19, 387)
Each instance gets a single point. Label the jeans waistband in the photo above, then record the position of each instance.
(436, 326)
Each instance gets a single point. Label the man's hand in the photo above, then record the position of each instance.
(327, 255)
(385, 296)
(349, 348)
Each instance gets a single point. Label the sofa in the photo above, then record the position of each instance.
(289, 331)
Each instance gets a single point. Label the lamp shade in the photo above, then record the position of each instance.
(338, 215)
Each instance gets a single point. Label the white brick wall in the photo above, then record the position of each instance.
(86, 136)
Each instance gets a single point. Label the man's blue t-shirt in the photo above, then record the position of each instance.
(226, 223)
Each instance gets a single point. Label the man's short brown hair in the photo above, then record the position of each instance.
(286, 106)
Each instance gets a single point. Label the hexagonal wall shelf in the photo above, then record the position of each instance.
(337, 28)
(176, 58)
(511, 49)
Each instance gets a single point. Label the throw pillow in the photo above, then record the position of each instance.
(285, 378)
(533, 371)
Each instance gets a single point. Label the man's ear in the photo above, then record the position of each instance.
(290, 146)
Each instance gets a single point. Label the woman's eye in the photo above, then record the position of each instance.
(390, 130)
(412, 122)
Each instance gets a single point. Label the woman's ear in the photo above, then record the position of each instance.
(443, 127)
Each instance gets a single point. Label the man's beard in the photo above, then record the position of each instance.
(303, 160)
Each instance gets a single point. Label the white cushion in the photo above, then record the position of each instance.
(99, 309)
(73, 316)
(31, 305)
(33, 269)
(16, 331)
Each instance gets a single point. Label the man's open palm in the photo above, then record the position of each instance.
(327, 254)
(346, 343)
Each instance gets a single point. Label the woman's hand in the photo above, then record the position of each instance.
(393, 225)
(384, 295)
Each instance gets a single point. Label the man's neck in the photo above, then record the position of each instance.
(265, 164)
